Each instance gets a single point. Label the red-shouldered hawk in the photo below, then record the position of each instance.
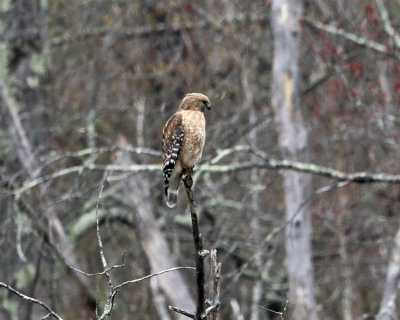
(183, 140)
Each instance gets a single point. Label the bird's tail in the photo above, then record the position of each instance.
(171, 191)
(172, 198)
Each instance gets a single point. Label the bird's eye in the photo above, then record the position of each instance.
(204, 101)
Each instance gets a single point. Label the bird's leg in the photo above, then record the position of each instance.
(187, 179)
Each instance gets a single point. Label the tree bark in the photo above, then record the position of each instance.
(293, 141)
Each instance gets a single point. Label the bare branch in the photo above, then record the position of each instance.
(280, 314)
(114, 289)
(19, 134)
(55, 156)
(266, 163)
(125, 32)
(110, 301)
(379, 47)
(212, 308)
(215, 290)
(32, 300)
(199, 254)
(274, 164)
(151, 275)
(97, 273)
(391, 32)
(99, 241)
(183, 312)
(77, 169)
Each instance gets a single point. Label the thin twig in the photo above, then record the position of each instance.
(278, 229)
(54, 156)
(183, 312)
(122, 265)
(151, 275)
(99, 241)
(32, 300)
(114, 289)
(210, 309)
(349, 36)
(78, 169)
(280, 314)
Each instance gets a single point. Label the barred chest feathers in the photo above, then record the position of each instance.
(194, 138)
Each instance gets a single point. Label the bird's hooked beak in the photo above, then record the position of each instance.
(208, 106)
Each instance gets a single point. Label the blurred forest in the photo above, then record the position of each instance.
(86, 88)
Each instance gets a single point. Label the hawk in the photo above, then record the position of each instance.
(182, 143)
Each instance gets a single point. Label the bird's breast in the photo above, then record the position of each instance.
(194, 125)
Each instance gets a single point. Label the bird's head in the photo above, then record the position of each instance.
(195, 102)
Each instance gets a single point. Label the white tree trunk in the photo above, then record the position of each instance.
(392, 284)
(346, 270)
(293, 141)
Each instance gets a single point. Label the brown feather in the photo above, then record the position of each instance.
(183, 140)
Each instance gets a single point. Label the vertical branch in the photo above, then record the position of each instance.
(215, 289)
(212, 312)
(99, 240)
(110, 301)
(198, 245)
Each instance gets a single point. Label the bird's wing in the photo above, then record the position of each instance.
(173, 134)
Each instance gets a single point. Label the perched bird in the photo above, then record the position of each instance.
(182, 143)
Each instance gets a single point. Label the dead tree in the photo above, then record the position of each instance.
(292, 132)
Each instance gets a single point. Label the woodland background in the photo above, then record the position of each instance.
(78, 77)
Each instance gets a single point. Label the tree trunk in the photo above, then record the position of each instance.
(155, 245)
(24, 38)
(392, 284)
(293, 141)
